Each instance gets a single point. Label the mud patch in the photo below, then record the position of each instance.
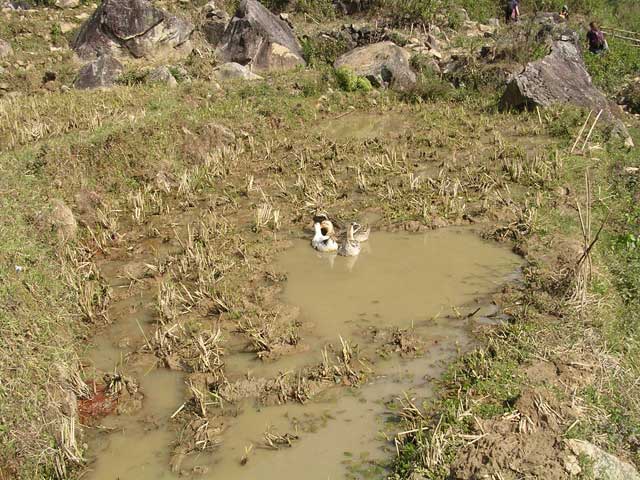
(527, 443)
(356, 334)
(363, 126)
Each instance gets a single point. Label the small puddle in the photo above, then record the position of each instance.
(365, 126)
(426, 283)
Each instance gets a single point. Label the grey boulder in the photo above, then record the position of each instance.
(133, 27)
(559, 78)
(99, 73)
(256, 36)
(605, 466)
(162, 76)
(234, 71)
(384, 64)
(63, 4)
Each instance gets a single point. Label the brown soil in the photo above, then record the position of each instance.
(527, 443)
(99, 405)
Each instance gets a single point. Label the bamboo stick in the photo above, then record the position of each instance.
(630, 39)
(586, 140)
(581, 131)
(621, 30)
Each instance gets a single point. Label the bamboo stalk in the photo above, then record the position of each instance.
(586, 140)
(622, 37)
(581, 131)
(621, 30)
(144, 335)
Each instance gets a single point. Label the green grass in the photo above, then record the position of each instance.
(37, 320)
(612, 70)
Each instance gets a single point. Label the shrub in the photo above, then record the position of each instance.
(631, 96)
(323, 9)
(321, 50)
(132, 77)
(431, 86)
(350, 82)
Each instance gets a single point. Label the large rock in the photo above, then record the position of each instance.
(63, 4)
(133, 27)
(385, 64)
(99, 73)
(5, 49)
(162, 76)
(234, 71)
(256, 36)
(605, 466)
(559, 78)
(215, 23)
(58, 219)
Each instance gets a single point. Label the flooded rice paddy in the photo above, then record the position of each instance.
(426, 284)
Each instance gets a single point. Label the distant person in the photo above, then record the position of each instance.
(597, 42)
(564, 13)
(512, 11)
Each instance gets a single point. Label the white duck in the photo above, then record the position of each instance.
(323, 242)
(350, 247)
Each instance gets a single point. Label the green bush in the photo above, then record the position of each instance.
(132, 77)
(350, 82)
(431, 87)
(319, 9)
(276, 5)
(631, 96)
(320, 50)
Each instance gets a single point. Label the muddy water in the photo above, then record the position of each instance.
(400, 280)
(365, 126)
(136, 446)
(406, 281)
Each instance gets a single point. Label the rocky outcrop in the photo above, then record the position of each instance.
(215, 23)
(99, 73)
(162, 76)
(384, 64)
(552, 27)
(560, 77)
(256, 36)
(133, 28)
(604, 465)
(5, 49)
(234, 71)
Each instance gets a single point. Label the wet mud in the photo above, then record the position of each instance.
(404, 306)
